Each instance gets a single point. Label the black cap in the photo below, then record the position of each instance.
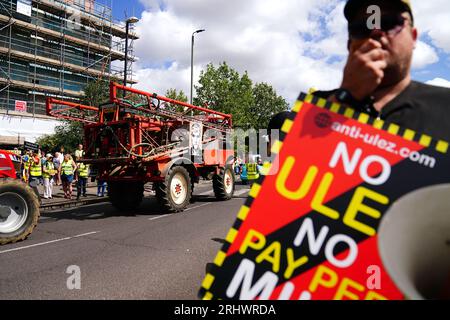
(353, 6)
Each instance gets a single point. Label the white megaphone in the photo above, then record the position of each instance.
(414, 243)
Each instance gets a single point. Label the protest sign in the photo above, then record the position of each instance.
(309, 227)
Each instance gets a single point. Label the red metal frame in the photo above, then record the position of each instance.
(131, 128)
(114, 87)
(59, 113)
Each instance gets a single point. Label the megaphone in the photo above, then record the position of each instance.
(414, 243)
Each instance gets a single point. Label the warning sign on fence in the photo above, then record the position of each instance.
(20, 106)
(309, 227)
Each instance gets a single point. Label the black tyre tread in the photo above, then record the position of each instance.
(33, 208)
(126, 196)
(162, 194)
(191, 200)
(219, 184)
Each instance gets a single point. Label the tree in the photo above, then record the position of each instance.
(224, 89)
(266, 104)
(176, 95)
(96, 92)
(70, 133)
(67, 135)
(179, 96)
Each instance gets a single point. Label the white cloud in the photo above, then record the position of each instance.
(439, 82)
(432, 18)
(424, 55)
(291, 44)
(159, 80)
(263, 37)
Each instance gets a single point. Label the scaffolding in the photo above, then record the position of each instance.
(56, 48)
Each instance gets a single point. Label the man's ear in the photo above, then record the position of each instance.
(415, 35)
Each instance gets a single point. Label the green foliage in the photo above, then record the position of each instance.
(67, 135)
(224, 89)
(266, 104)
(70, 133)
(176, 95)
(96, 93)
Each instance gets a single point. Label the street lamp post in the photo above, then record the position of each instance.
(192, 63)
(127, 30)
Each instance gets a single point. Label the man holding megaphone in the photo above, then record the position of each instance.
(377, 75)
(377, 79)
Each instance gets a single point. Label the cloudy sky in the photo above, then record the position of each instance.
(290, 44)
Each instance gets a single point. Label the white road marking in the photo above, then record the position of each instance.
(207, 193)
(170, 215)
(202, 205)
(159, 217)
(241, 192)
(210, 193)
(49, 242)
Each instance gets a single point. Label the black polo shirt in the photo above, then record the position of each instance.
(420, 107)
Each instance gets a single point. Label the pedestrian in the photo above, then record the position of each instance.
(79, 153)
(43, 157)
(34, 170)
(377, 75)
(82, 178)
(24, 166)
(236, 165)
(57, 164)
(67, 170)
(48, 174)
(61, 155)
(101, 186)
(61, 159)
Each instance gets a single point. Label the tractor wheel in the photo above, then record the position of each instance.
(126, 195)
(192, 200)
(223, 184)
(174, 194)
(19, 211)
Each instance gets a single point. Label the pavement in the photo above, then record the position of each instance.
(58, 200)
(119, 255)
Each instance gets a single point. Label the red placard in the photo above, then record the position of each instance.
(21, 106)
(309, 227)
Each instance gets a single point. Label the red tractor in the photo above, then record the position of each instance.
(19, 203)
(144, 137)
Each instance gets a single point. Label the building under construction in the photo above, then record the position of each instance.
(55, 48)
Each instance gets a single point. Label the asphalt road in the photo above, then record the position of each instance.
(145, 255)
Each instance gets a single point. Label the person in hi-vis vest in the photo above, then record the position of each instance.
(34, 169)
(82, 178)
(67, 170)
(48, 173)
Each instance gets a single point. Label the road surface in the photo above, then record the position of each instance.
(147, 255)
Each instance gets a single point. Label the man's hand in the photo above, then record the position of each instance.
(364, 71)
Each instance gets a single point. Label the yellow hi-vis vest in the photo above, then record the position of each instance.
(35, 169)
(83, 170)
(49, 167)
(67, 168)
(252, 171)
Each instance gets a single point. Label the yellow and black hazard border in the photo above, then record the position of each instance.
(407, 134)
